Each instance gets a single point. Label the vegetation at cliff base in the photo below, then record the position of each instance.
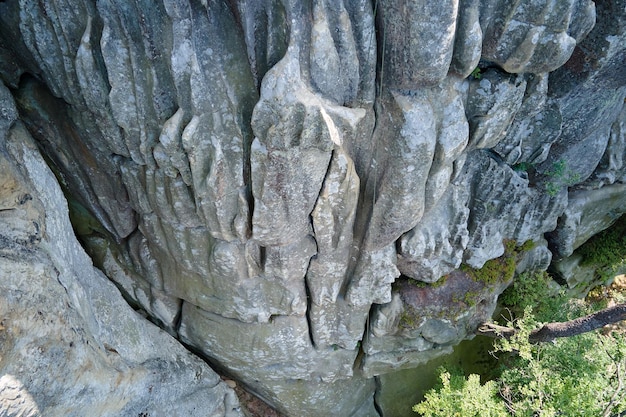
(478, 400)
(583, 375)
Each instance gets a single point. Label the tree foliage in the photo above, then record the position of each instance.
(461, 397)
(576, 376)
(582, 375)
(606, 250)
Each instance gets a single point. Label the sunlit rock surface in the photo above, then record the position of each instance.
(276, 183)
(70, 344)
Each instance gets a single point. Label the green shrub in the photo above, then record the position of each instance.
(580, 376)
(576, 376)
(461, 397)
(536, 289)
(559, 176)
(523, 167)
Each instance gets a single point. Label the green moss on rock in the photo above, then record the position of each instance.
(496, 270)
(606, 251)
(410, 318)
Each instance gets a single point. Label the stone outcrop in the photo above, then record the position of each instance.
(295, 190)
(70, 344)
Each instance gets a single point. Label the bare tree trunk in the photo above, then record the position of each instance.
(551, 331)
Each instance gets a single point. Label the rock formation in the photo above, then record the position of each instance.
(301, 192)
(69, 343)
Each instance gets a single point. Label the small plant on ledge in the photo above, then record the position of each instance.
(476, 74)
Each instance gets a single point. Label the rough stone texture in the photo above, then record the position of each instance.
(436, 246)
(492, 104)
(267, 180)
(417, 51)
(423, 322)
(534, 36)
(281, 362)
(536, 126)
(612, 166)
(588, 212)
(573, 273)
(69, 344)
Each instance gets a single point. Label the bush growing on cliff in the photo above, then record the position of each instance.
(559, 176)
(536, 290)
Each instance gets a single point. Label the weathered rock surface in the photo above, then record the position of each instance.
(423, 322)
(588, 212)
(535, 36)
(70, 344)
(269, 180)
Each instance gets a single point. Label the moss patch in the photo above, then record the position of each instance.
(536, 290)
(410, 318)
(606, 251)
(500, 269)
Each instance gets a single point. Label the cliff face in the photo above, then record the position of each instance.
(69, 343)
(301, 191)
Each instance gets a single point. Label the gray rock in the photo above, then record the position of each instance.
(536, 259)
(382, 363)
(536, 126)
(76, 347)
(269, 175)
(115, 263)
(336, 398)
(573, 273)
(504, 206)
(435, 247)
(333, 54)
(418, 39)
(8, 111)
(270, 345)
(333, 221)
(372, 277)
(468, 38)
(422, 322)
(282, 364)
(588, 212)
(337, 324)
(332, 320)
(590, 90)
(491, 106)
(612, 165)
(86, 165)
(296, 132)
(533, 36)
(430, 134)
(266, 32)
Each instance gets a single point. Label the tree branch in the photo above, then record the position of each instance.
(551, 331)
(496, 331)
(620, 385)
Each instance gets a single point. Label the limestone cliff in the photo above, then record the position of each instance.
(300, 191)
